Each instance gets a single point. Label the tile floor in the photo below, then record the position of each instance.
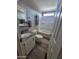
(39, 51)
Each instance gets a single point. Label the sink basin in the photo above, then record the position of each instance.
(25, 35)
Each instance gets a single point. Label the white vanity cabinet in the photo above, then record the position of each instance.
(29, 44)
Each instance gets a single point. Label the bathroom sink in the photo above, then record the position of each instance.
(25, 35)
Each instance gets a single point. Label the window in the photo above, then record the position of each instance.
(48, 14)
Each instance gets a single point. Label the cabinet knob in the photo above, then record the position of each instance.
(33, 38)
(24, 44)
(20, 40)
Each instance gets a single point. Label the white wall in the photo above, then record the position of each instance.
(31, 13)
(21, 11)
(28, 12)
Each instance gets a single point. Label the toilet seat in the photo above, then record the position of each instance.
(38, 36)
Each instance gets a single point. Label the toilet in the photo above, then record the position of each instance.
(38, 38)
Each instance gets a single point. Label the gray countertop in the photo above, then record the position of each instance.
(26, 36)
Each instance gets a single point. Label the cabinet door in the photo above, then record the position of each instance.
(29, 45)
(23, 49)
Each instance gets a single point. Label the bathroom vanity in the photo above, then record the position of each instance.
(26, 38)
(28, 42)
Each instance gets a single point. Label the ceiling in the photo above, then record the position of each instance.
(41, 5)
(46, 5)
